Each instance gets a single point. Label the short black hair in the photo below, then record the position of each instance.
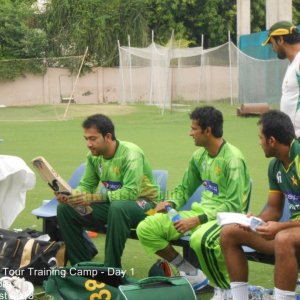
(279, 125)
(103, 124)
(208, 116)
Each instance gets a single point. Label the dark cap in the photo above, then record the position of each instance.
(279, 28)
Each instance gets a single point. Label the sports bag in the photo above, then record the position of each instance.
(175, 288)
(92, 281)
(27, 257)
(86, 280)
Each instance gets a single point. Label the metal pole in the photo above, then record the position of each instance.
(230, 69)
(130, 70)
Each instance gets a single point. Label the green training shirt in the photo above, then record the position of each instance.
(225, 178)
(287, 181)
(126, 176)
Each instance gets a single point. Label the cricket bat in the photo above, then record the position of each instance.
(57, 183)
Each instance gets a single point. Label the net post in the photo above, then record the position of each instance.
(73, 90)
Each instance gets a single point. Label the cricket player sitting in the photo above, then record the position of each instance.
(222, 169)
(128, 186)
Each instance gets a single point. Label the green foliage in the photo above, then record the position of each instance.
(258, 16)
(11, 69)
(17, 38)
(296, 12)
(67, 27)
(73, 25)
(218, 17)
(190, 19)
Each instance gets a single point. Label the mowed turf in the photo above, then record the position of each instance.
(165, 141)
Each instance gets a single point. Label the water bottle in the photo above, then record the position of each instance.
(255, 292)
(259, 293)
(174, 216)
(268, 294)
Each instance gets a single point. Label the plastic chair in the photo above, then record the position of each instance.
(196, 197)
(161, 178)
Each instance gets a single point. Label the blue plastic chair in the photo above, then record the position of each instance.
(196, 197)
(161, 178)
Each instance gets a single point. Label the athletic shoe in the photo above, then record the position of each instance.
(197, 281)
(221, 294)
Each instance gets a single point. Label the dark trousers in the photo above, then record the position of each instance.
(120, 217)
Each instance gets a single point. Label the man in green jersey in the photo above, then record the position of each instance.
(277, 139)
(222, 169)
(128, 186)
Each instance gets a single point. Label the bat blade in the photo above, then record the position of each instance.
(50, 176)
(56, 182)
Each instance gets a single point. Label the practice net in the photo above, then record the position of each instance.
(163, 76)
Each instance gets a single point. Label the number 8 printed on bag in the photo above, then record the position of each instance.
(92, 285)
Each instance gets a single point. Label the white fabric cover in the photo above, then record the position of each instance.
(15, 179)
(225, 218)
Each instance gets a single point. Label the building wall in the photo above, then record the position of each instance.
(99, 86)
(278, 10)
(103, 85)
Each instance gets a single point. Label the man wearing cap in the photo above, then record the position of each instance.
(285, 40)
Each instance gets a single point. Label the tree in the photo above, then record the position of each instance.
(258, 15)
(72, 25)
(296, 12)
(218, 17)
(192, 18)
(17, 38)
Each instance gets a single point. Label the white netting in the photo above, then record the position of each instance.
(154, 75)
(145, 74)
(260, 80)
(163, 76)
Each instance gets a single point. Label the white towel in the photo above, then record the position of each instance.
(15, 179)
(225, 218)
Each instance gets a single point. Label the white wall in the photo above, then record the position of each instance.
(278, 10)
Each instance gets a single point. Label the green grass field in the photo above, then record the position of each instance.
(165, 140)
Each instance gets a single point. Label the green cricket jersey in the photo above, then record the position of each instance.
(287, 181)
(126, 176)
(225, 178)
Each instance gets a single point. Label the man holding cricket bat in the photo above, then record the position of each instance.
(128, 192)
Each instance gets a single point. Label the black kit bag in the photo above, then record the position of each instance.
(24, 256)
